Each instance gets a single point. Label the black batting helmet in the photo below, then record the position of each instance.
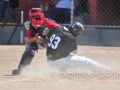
(76, 29)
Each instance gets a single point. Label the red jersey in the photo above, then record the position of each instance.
(48, 23)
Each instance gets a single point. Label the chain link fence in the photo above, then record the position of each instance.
(91, 13)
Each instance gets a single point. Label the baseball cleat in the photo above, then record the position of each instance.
(16, 71)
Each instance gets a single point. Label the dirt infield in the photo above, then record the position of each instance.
(41, 77)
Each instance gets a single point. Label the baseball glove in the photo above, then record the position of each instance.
(39, 40)
(42, 41)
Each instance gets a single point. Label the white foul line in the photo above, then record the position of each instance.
(16, 80)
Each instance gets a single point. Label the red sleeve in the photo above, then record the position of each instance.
(51, 24)
(29, 33)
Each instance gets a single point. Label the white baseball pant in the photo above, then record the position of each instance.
(73, 60)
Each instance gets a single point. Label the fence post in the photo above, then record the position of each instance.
(21, 31)
(72, 10)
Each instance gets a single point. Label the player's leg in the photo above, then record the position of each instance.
(27, 56)
(77, 61)
(72, 61)
(26, 59)
(59, 64)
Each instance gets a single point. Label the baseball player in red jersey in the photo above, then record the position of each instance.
(35, 31)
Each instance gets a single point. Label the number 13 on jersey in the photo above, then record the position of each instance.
(54, 41)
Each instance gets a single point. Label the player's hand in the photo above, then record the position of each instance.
(39, 39)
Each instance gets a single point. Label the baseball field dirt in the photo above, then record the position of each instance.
(39, 76)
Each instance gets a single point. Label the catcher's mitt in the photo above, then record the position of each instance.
(39, 40)
(42, 41)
